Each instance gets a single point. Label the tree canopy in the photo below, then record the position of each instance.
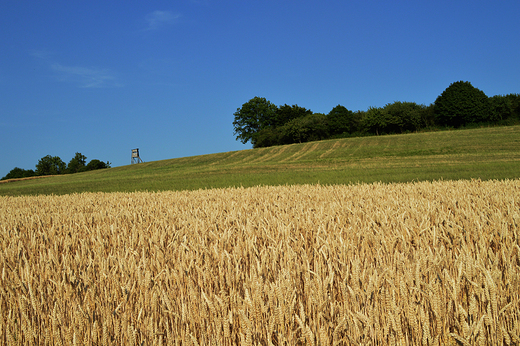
(77, 163)
(52, 165)
(265, 124)
(505, 107)
(341, 120)
(17, 173)
(97, 164)
(254, 115)
(286, 113)
(461, 104)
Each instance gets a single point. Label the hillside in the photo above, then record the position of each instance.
(486, 153)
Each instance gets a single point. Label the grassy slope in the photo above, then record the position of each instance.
(488, 153)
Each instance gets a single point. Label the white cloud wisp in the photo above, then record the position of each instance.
(85, 77)
(159, 19)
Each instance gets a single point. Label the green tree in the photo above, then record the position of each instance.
(317, 125)
(77, 163)
(50, 165)
(268, 137)
(461, 104)
(403, 117)
(428, 116)
(312, 127)
(97, 164)
(294, 131)
(374, 121)
(340, 120)
(254, 115)
(19, 173)
(286, 113)
(505, 107)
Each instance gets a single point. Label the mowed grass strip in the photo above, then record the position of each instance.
(486, 153)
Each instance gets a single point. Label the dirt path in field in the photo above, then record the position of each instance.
(28, 178)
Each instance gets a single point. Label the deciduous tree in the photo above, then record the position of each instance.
(254, 115)
(77, 163)
(286, 113)
(461, 104)
(19, 173)
(50, 165)
(97, 164)
(341, 120)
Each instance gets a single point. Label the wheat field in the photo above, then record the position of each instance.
(425, 263)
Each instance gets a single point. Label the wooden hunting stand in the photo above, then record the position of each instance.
(135, 156)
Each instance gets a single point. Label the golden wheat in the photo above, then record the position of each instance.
(407, 264)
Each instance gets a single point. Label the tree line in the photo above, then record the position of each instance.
(461, 105)
(52, 165)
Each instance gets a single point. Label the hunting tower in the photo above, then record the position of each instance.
(135, 156)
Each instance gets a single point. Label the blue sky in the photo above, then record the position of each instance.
(104, 77)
